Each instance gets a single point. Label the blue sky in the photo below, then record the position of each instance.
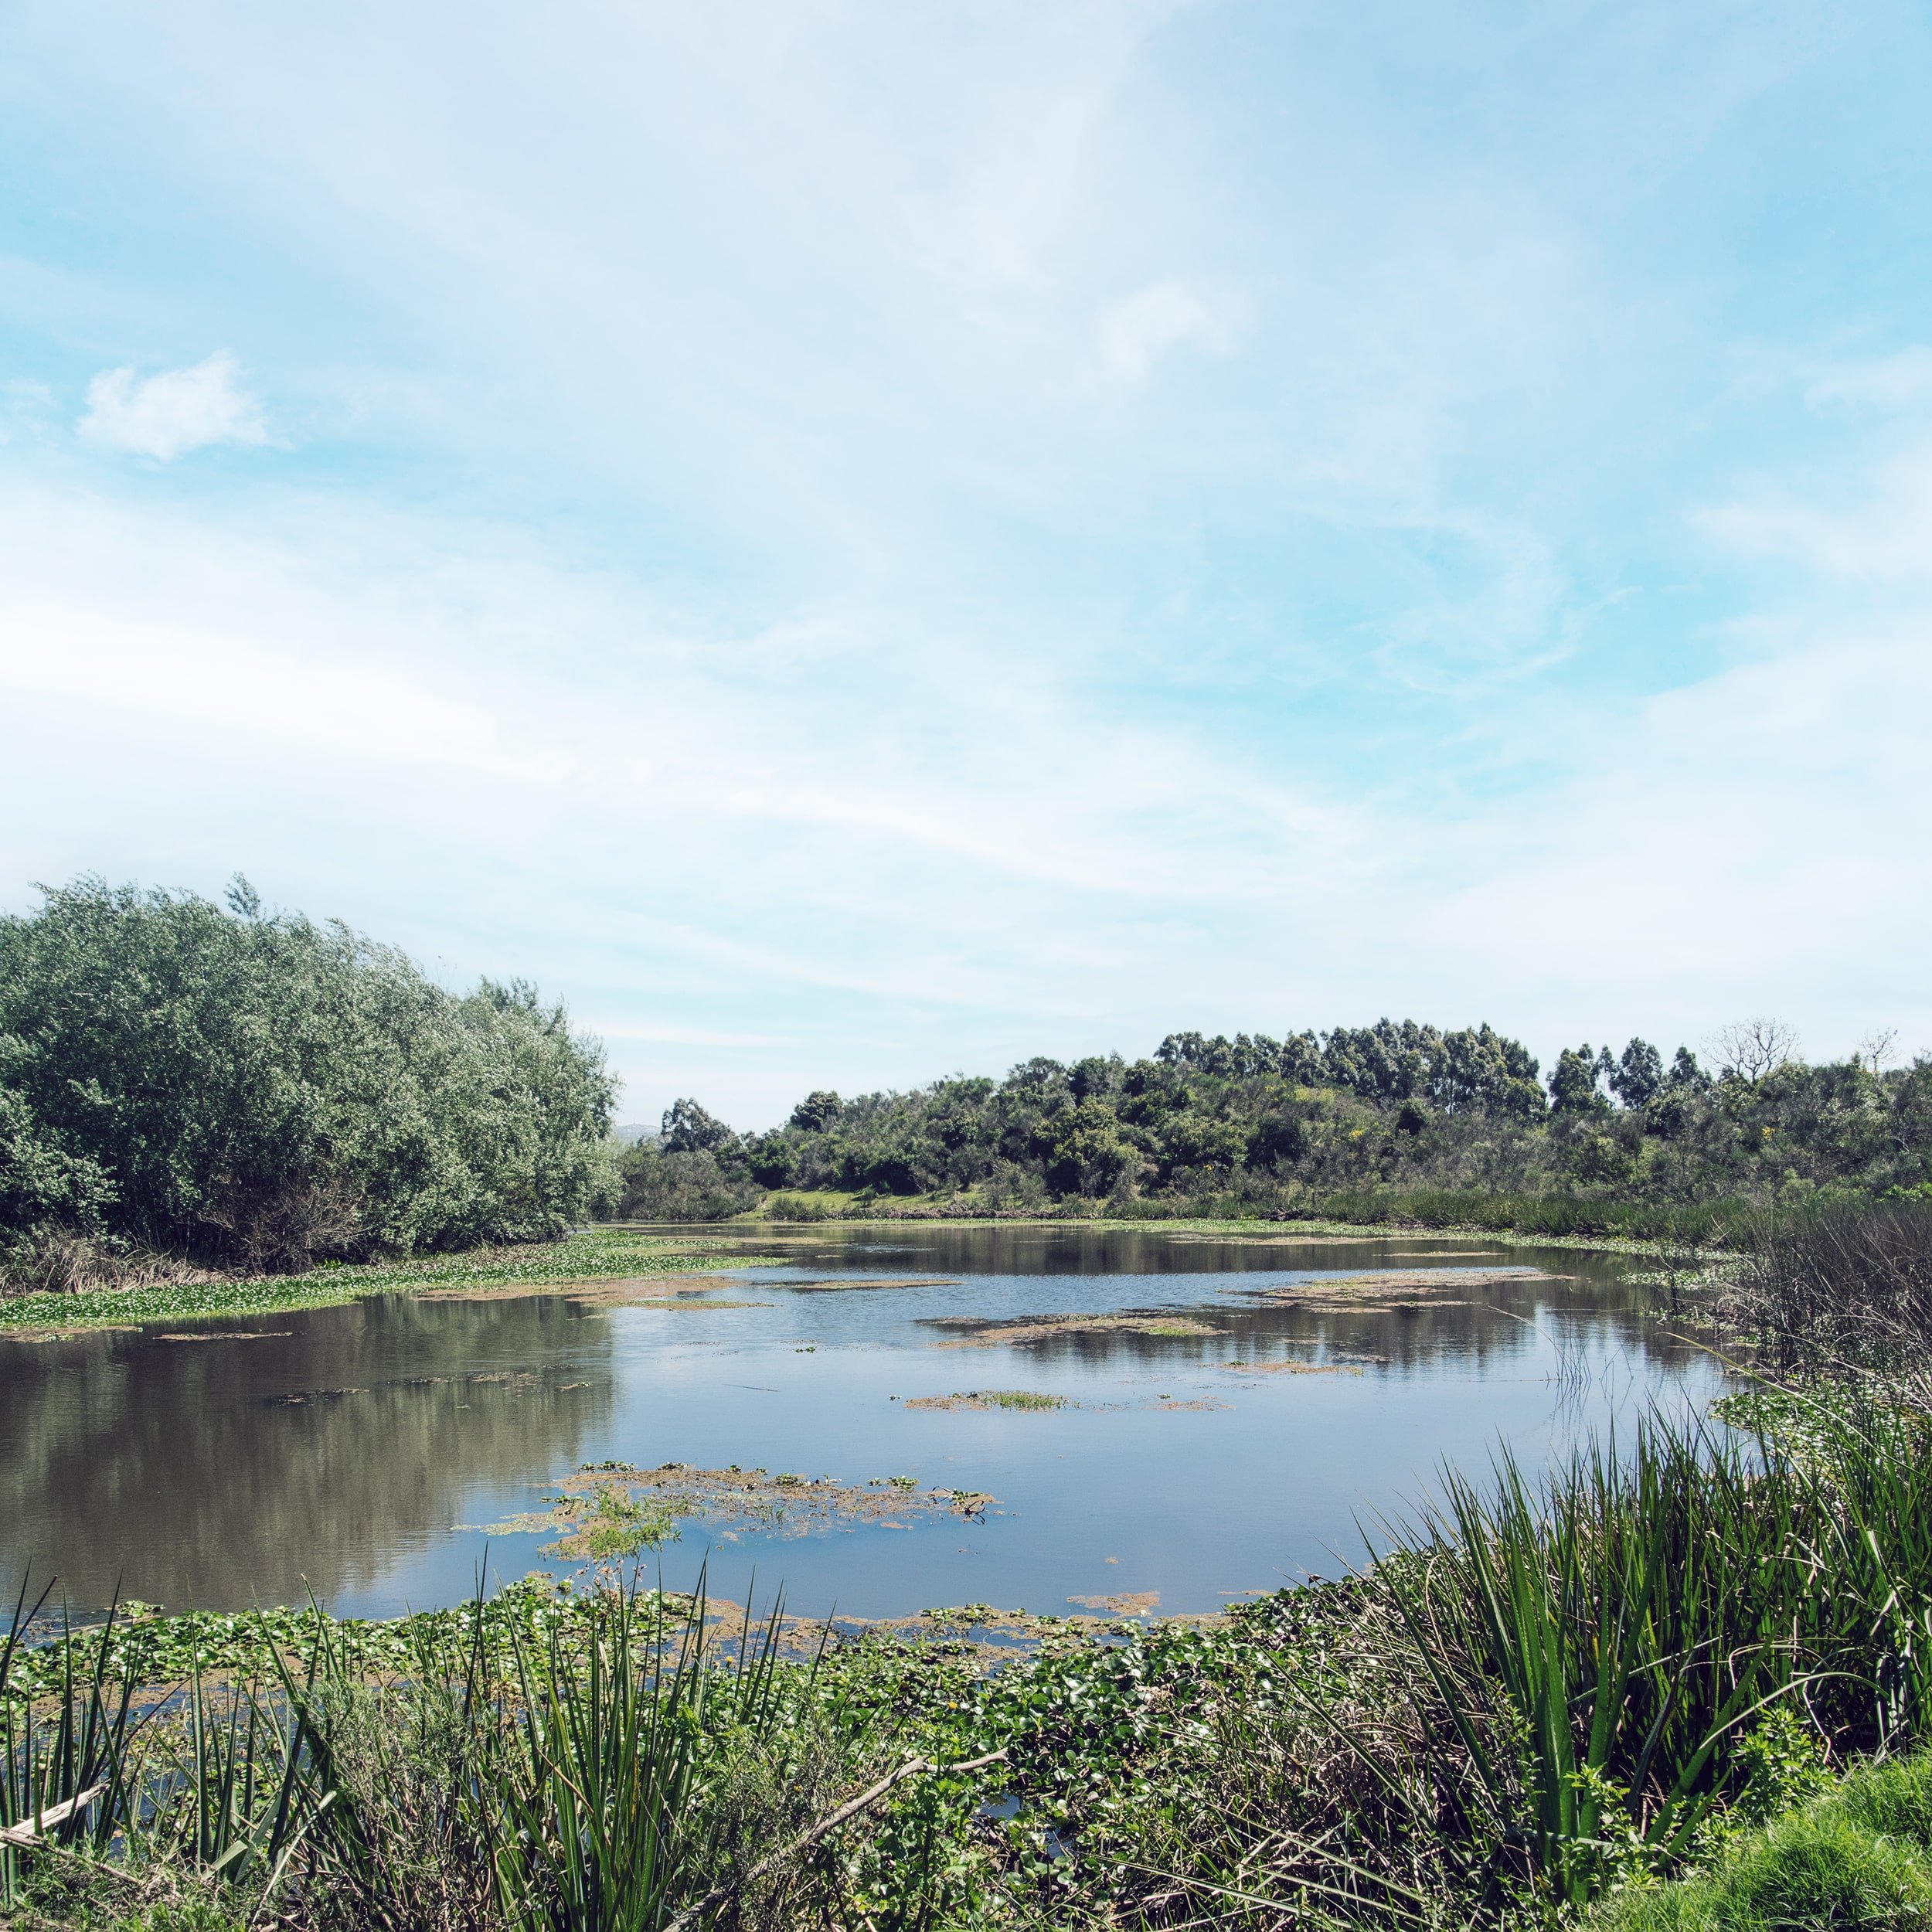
(856, 541)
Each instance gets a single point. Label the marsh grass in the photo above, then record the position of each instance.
(1548, 1688)
(1838, 1287)
(599, 1774)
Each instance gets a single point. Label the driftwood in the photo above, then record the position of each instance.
(27, 1833)
(812, 1835)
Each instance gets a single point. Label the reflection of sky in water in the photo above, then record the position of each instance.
(187, 1470)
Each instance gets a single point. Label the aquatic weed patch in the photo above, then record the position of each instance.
(1390, 1286)
(617, 1509)
(854, 1283)
(1293, 1368)
(1026, 1331)
(1027, 1401)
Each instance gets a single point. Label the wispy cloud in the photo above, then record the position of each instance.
(1136, 333)
(1880, 531)
(169, 414)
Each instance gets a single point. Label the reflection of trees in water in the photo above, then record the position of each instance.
(1037, 1250)
(181, 1470)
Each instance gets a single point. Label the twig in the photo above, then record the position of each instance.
(812, 1835)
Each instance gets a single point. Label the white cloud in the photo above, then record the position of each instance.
(1885, 535)
(1136, 333)
(1886, 382)
(166, 416)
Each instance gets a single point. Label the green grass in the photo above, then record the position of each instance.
(600, 1769)
(589, 1253)
(1860, 1857)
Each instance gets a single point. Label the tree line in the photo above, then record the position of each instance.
(260, 1092)
(1263, 1125)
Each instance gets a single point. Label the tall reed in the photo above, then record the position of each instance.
(600, 1776)
(1547, 1684)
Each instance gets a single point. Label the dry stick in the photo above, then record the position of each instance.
(27, 1833)
(718, 1894)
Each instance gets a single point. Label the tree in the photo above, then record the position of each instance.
(1750, 1048)
(1572, 1087)
(1685, 1073)
(1638, 1075)
(816, 1111)
(688, 1129)
(261, 1091)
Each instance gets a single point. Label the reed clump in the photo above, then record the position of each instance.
(611, 1769)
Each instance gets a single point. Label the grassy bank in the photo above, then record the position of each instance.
(1703, 1224)
(1543, 1692)
(588, 1254)
(1859, 1854)
(1682, 1250)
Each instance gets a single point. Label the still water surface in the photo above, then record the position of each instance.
(185, 1470)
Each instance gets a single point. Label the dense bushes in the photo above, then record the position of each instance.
(260, 1091)
(1395, 1120)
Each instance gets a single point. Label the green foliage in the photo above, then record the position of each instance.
(262, 1092)
(1860, 1855)
(594, 1763)
(1841, 1284)
(1398, 1122)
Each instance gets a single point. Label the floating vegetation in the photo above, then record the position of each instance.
(516, 1381)
(1293, 1368)
(1023, 1399)
(229, 1335)
(592, 1254)
(633, 1291)
(1388, 1290)
(615, 1509)
(609, 1524)
(835, 1286)
(1128, 1602)
(1042, 1328)
(648, 1301)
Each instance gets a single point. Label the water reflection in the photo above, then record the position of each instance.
(218, 1472)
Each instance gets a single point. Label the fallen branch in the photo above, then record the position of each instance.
(812, 1834)
(27, 1833)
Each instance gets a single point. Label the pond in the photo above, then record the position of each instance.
(1219, 1415)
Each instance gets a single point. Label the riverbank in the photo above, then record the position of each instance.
(1722, 1223)
(1257, 1230)
(588, 1254)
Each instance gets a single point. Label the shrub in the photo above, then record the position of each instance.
(263, 1091)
